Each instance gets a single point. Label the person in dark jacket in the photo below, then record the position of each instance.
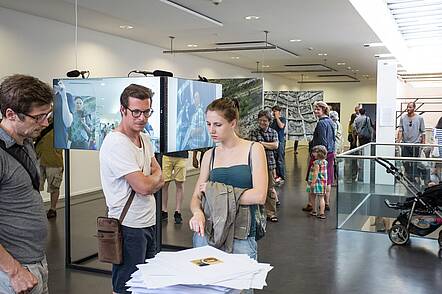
(324, 135)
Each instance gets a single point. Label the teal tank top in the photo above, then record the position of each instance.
(238, 176)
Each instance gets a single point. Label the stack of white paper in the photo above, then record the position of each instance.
(198, 270)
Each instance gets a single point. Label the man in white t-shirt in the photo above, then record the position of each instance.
(127, 163)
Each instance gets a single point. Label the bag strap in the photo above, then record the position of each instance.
(132, 194)
(20, 154)
(126, 206)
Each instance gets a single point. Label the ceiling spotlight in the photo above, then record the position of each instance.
(126, 27)
(355, 70)
(340, 63)
(374, 45)
(322, 54)
(295, 40)
(251, 17)
(266, 66)
(348, 67)
(234, 57)
(192, 45)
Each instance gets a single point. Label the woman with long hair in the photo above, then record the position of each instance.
(234, 161)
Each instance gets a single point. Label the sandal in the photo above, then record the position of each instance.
(321, 216)
(313, 213)
(273, 219)
(307, 208)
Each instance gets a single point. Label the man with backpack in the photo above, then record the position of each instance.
(363, 128)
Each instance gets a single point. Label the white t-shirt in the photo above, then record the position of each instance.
(119, 156)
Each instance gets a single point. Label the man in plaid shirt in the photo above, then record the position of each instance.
(268, 137)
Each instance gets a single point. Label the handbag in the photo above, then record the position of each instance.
(110, 237)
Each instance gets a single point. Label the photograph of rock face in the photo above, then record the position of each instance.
(249, 92)
(298, 109)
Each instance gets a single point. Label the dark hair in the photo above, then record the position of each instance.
(265, 113)
(412, 102)
(21, 93)
(135, 91)
(439, 123)
(362, 111)
(276, 108)
(227, 107)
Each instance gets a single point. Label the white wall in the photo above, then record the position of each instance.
(45, 49)
(349, 95)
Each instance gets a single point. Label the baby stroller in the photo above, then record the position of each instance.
(420, 215)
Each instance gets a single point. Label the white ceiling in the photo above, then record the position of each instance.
(328, 26)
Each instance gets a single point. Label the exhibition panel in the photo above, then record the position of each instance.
(298, 109)
(250, 94)
(186, 102)
(86, 110)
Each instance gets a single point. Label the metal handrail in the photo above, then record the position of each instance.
(348, 153)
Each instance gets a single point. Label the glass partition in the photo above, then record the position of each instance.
(365, 183)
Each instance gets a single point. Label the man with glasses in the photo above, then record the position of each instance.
(26, 105)
(127, 163)
(411, 131)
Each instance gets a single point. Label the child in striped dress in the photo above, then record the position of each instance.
(317, 180)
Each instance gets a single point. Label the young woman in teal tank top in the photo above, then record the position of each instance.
(231, 166)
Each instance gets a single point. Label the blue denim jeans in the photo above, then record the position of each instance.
(138, 245)
(247, 246)
(39, 270)
(280, 160)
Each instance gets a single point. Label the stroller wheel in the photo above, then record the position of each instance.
(440, 239)
(398, 234)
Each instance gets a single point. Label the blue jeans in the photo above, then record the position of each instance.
(138, 245)
(39, 270)
(247, 246)
(280, 159)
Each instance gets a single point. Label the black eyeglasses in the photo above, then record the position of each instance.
(136, 112)
(39, 118)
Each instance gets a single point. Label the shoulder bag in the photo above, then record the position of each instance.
(109, 236)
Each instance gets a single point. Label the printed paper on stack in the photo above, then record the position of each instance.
(198, 270)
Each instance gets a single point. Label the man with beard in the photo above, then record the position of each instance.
(25, 106)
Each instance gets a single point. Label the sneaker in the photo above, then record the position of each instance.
(327, 207)
(164, 215)
(51, 213)
(178, 218)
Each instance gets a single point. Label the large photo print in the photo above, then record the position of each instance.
(187, 101)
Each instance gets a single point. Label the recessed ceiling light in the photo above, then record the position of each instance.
(348, 67)
(234, 57)
(322, 54)
(374, 45)
(295, 40)
(266, 66)
(355, 70)
(251, 17)
(192, 45)
(126, 27)
(340, 63)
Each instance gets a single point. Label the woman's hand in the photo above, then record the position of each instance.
(197, 222)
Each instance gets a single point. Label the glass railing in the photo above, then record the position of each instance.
(372, 174)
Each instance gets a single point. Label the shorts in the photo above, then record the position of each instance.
(38, 269)
(138, 245)
(174, 169)
(54, 176)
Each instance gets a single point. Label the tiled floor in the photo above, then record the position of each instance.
(309, 255)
